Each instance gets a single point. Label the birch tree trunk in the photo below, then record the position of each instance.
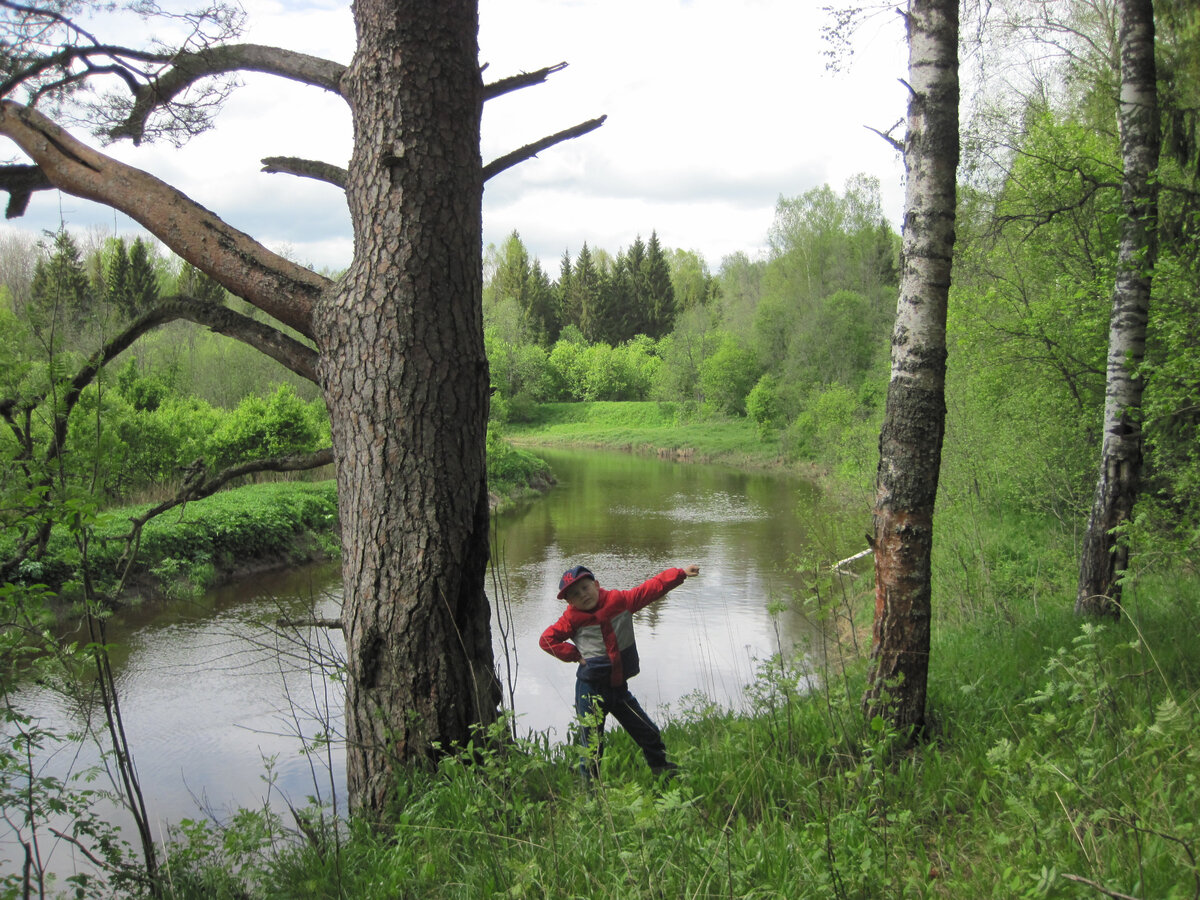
(1104, 556)
(910, 443)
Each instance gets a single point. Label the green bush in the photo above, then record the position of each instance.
(727, 377)
(262, 427)
(510, 470)
(762, 405)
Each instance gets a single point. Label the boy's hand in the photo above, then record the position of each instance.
(691, 571)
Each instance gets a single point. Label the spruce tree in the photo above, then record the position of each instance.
(60, 293)
(660, 292)
(116, 274)
(143, 280)
(638, 309)
(579, 296)
(563, 290)
(543, 320)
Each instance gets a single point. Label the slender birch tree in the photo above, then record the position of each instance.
(910, 443)
(396, 344)
(1104, 555)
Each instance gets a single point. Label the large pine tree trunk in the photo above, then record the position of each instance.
(406, 382)
(910, 442)
(1103, 557)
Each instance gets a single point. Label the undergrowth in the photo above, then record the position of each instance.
(1060, 761)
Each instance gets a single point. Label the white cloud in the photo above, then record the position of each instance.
(715, 109)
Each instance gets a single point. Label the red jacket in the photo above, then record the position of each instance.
(601, 639)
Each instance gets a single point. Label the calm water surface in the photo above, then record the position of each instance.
(211, 691)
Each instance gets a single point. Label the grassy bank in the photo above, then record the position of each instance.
(214, 540)
(201, 543)
(1062, 760)
(664, 429)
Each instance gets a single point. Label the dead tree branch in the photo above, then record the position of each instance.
(509, 160)
(306, 168)
(523, 80)
(21, 182)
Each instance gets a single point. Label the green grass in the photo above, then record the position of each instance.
(1058, 752)
(1061, 759)
(646, 427)
(185, 549)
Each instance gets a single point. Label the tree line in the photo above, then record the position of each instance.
(773, 337)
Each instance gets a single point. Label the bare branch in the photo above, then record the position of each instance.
(189, 68)
(306, 168)
(523, 80)
(898, 146)
(21, 182)
(509, 160)
(198, 486)
(281, 288)
(1095, 885)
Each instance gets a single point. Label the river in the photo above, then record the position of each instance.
(216, 695)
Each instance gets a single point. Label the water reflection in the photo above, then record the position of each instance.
(628, 517)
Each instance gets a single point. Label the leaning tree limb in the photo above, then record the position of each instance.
(283, 289)
(270, 341)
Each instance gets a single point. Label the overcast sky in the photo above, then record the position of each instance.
(715, 109)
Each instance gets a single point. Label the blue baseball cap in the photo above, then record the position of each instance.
(571, 576)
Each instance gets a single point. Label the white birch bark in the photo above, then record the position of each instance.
(1104, 556)
(911, 438)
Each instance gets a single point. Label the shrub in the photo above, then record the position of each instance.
(726, 378)
(762, 405)
(277, 425)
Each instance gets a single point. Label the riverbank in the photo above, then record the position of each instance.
(666, 430)
(193, 547)
(230, 535)
(1059, 763)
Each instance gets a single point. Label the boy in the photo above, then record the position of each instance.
(596, 631)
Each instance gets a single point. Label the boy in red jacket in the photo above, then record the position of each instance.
(596, 631)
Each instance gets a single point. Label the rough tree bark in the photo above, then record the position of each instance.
(1104, 556)
(406, 381)
(910, 443)
(399, 339)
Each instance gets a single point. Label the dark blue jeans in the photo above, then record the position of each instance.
(593, 703)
